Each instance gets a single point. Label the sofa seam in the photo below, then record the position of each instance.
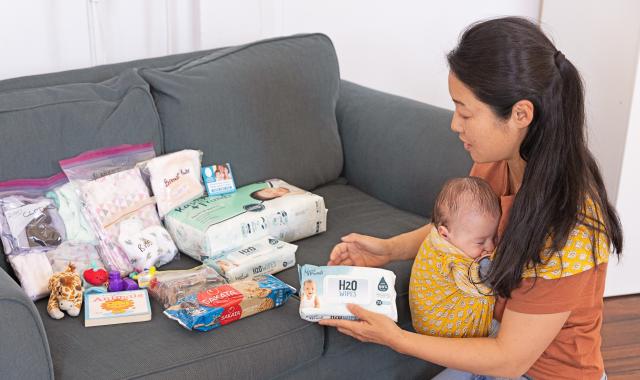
(236, 49)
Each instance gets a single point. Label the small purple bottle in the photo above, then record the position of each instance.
(116, 284)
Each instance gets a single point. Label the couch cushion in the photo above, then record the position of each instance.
(260, 346)
(268, 108)
(351, 210)
(43, 125)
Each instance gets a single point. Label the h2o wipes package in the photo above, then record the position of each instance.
(325, 291)
(266, 255)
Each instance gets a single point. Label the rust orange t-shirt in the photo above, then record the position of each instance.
(575, 351)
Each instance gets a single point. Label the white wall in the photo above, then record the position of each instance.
(397, 47)
(622, 277)
(603, 40)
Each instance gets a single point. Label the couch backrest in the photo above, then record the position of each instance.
(268, 108)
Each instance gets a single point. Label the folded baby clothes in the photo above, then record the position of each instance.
(209, 226)
(82, 255)
(446, 295)
(33, 271)
(30, 225)
(266, 255)
(70, 209)
(146, 247)
(325, 291)
(112, 200)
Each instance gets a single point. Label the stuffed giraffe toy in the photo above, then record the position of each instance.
(66, 293)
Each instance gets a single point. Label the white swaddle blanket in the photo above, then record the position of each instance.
(326, 291)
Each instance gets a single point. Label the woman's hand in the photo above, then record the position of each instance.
(372, 327)
(362, 251)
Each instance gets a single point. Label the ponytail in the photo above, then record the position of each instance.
(507, 60)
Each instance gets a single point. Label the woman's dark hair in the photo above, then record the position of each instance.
(503, 61)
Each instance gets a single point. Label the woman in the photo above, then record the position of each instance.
(519, 110)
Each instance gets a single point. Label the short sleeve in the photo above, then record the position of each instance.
(542, 296)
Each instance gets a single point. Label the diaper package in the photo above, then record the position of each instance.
(118, 205)
(209, 226)
(31, 225)
(221, 305)
(175, 179)
(167, 287)
(325, 291)
(266, 255)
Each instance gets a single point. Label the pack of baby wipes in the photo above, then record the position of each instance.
(209, 226)
(326, 291)
(267, 255)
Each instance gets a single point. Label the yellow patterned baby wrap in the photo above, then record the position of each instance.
(443, 298)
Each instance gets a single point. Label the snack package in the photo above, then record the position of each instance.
(221, 305)
(209, 226)
(326, 291)
(167, 287)
(175, 179)
(117, 203)
(266, 255)
(218, 179)
(30, 225)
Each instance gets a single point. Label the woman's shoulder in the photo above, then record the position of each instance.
(586, 247)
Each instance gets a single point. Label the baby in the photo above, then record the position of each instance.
(446, 295)
(309, 299)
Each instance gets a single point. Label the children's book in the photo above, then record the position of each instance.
(116, 307)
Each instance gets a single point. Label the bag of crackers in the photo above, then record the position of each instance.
(220, 305)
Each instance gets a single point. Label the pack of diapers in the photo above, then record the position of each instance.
(267, 255)
(326, 291)
(209, 226)
(175, 179)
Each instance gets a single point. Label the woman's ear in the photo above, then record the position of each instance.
(443, 231)
(522, 114)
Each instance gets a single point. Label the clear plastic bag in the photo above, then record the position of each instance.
(167, 287)
(118, 204)
(30, 225)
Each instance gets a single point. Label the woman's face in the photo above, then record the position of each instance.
(486, 137)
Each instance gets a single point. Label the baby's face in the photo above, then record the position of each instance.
(309, 288)
(473, 233)
(273, 192)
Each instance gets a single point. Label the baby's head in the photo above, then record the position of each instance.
(309, 287)
(466, 214)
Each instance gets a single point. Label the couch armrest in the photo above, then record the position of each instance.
(398, 150)
(24, 349)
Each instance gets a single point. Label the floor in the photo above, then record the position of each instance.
(621, 337)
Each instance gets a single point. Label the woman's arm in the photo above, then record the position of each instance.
(521, 340)
(405, 246)
(368, 251)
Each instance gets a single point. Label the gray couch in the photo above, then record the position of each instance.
(274, 108)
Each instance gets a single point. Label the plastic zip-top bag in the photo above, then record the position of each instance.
(30, 225)
(117, 203)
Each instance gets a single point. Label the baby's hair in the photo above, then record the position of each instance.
(309, 282)
(466, 192)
